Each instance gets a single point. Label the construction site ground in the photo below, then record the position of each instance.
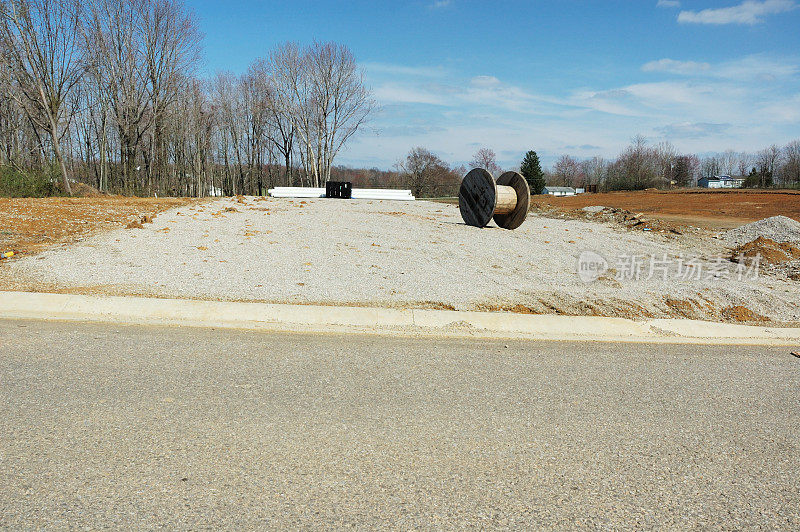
(386, 254)
(710, 209)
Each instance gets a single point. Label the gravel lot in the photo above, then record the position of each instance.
(381, 253)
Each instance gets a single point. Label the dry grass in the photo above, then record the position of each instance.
(29, 225)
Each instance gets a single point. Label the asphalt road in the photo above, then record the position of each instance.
(193, 428)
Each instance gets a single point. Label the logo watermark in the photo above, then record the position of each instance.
(591, 266)
(632, 267)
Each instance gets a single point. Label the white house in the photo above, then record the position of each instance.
(559, 191)
(720, 181)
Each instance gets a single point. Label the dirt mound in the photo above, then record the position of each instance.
(776, 228)
(740, 313)
(771, 252)
(82, 190)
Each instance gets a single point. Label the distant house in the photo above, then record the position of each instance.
(559, 191)
(720, 181)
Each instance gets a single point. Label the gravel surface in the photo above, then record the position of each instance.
(777, 228)
(400, 254)
(145, 428)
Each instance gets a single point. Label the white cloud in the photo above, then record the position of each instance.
(749, 12)
(707, 107)
(675, 67)
(479, 92)
(668, 3)
(439, 4)
(403, 93)
(485, 81)
(391, 69)
(757, 67)
(692, 130)
(785, 110)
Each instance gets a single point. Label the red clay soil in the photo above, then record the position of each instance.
(706, 208)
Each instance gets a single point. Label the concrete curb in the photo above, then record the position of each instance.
(313, 318)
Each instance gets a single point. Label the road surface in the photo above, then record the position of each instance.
(189, 428)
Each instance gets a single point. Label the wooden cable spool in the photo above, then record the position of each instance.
(507, 200)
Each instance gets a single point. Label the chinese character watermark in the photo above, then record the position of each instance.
(633, 267)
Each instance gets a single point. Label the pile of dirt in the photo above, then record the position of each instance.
(776, 228)
(139, 224)
(739, 313)
(628, 219)
(771, 252)
(82, 190)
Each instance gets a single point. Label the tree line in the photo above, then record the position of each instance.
(642, 166)
(106, 92)
(639, 166)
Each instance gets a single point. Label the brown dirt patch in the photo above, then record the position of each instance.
(30, 225)
(682, 307)
(740, 313)
(711, 209)
(771, 252)
(516, 309)
(433, 305)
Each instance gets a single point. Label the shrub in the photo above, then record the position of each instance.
(18, 184)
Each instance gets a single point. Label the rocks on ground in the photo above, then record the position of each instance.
(776, 228)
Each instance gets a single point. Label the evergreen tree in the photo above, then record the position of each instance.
(531, 170)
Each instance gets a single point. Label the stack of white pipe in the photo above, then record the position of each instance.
(358, 193)
(296, 192)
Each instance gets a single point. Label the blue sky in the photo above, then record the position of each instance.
(558, 77)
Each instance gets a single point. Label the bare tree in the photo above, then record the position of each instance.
(743, 162)
(486, 158)
(343, 102)
(766, 161)
(227, 95)
(567, 172)
(171, 49)
(291, 84)
(728, 162)
(791, 167)
(595, 170)
(281, 129)
(113, 40)
(665, 154)
(39, 43)
(709, 167)
(636, 168)
(322, 92)
(426, 174)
